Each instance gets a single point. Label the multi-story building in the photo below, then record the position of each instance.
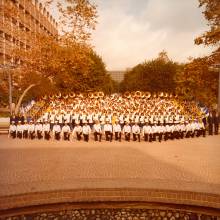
(22, 16)
(118, 76)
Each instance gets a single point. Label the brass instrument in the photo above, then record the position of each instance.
(147, 95)
(65, 96)
(72, 95)
(161, 94)
(101, 94)
(127, 95)
(51, 96)
(166, 95)
(91, 95)
(137, 94)
(155, 95)
(44, 97)
(58, 95)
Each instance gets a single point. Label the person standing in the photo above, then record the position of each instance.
(66, 131)
(78, 130)
(25, 129)
(108, 131)
(146, 131)
(97, 131)
(12, 130)
(39, 130)
(216, 121)
(117, 130)
(31, 130)
(19, 130)
(46, 130)
(136, 131)
(127, 131)
(56, 131)
(86, 130)
(210, 123)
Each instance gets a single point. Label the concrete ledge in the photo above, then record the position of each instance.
(110, 195)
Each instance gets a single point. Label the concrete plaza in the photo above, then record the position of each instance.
(28, 166)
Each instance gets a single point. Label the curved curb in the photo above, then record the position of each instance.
(110, 195)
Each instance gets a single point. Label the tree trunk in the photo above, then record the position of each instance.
(21, 98)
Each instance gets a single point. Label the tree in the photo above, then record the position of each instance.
(154, 76)
(53, 63)
(212, 15)
(197, 82)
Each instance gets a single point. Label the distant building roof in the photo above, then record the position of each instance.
(118, 76)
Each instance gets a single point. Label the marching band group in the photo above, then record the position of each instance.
(83, 130)
(114, 117)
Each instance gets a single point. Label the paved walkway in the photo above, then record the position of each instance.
(37, 166)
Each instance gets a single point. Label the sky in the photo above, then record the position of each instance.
(132, 31)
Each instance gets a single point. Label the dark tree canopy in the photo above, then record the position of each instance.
(154, 76)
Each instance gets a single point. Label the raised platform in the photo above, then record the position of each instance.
(180, 172)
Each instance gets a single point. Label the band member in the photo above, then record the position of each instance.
(31, 130)
(117, 131)
(78, 131)
(67, 118)
(19, 130)
(216, 121)
(12, 130)
(182, 131)
(39, 130)
(86, 130)
(108, 131)
(210, 123)
(46, 130)
(136, 132)
(202, 128)
(56, 131)
(97, 131)
(66, 132)
(25, 129)
(168, 132)
(146, 132)
(127, 131)
(188, 130)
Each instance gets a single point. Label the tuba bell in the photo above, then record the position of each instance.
(147, 95)
(161, 94)
(58, 95)
(127, 95)
(72, 95)
(65, 96)
(44, 97)
(51, 96)
(101, 94)
(137, 94)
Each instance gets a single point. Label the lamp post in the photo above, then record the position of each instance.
(6, 68)
(216, 68)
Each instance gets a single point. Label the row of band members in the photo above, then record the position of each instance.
(149, 132)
